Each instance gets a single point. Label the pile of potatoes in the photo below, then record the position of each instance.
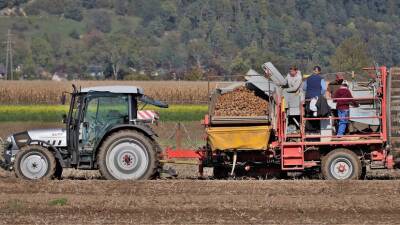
(240, 102)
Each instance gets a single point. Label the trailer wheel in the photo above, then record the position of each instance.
(341, 164)
(128, 155)
(34, 162)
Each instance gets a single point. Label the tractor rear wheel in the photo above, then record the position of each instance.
(128, 155)
(59, 170)
(34, 162)
(341, 164)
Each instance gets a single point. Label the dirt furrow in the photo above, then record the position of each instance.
(199, 202)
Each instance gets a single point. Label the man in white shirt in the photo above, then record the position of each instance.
(293, 80)
(291, 90)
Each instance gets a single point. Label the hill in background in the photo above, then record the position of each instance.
(158, 39)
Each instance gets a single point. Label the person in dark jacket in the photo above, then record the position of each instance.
(315, 85)
(343, 106)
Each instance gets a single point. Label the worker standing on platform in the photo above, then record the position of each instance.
(343, 107)
(291, 89)
(315, 85)
(293, 80)
(335, 85)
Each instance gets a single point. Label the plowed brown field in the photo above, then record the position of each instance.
(187, 200)
(199, 202)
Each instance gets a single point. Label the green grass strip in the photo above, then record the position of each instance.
(53, 113)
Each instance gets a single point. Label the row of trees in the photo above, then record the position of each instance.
(183, 37)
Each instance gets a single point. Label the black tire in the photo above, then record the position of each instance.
(33, 157)
(160, 166)
(341, 164)
(220, 172)
(59, 170)
(140, 154)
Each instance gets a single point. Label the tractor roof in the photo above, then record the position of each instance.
(119, 89)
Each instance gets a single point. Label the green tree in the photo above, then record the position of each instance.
(185, 27)
(155, 27)
(41, 52)
(198, 52)
(100, 20)
(194, 74)
(89, 4)
(172, 53)
(73, 11)
(239, 66)
(351, 55)
(169, 14)
(121, 7)
(29, 67)
(55, 7)
(122, 51)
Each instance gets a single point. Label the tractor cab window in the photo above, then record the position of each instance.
(74, 110)
(102, 113)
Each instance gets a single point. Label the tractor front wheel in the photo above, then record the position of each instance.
(34, 162)
(128, 155)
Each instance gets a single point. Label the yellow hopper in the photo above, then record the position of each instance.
(238, 138)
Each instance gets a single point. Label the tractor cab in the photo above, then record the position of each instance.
(97, 111)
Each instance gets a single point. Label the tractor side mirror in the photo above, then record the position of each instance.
(64, 118)
(63, 98)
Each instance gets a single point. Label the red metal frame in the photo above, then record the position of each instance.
(374, 138)
(381, 135)
(170, 153)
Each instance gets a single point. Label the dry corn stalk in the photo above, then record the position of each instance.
(49, 92)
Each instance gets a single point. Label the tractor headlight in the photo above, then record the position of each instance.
(9, 142)
(7, 153)
(7, 145)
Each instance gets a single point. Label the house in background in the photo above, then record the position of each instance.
(95, 71)
(57, 76)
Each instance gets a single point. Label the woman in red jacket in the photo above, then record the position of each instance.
(343, 106)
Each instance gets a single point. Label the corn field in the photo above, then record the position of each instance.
(49, 92)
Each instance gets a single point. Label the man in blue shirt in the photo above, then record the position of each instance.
(315, 85)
